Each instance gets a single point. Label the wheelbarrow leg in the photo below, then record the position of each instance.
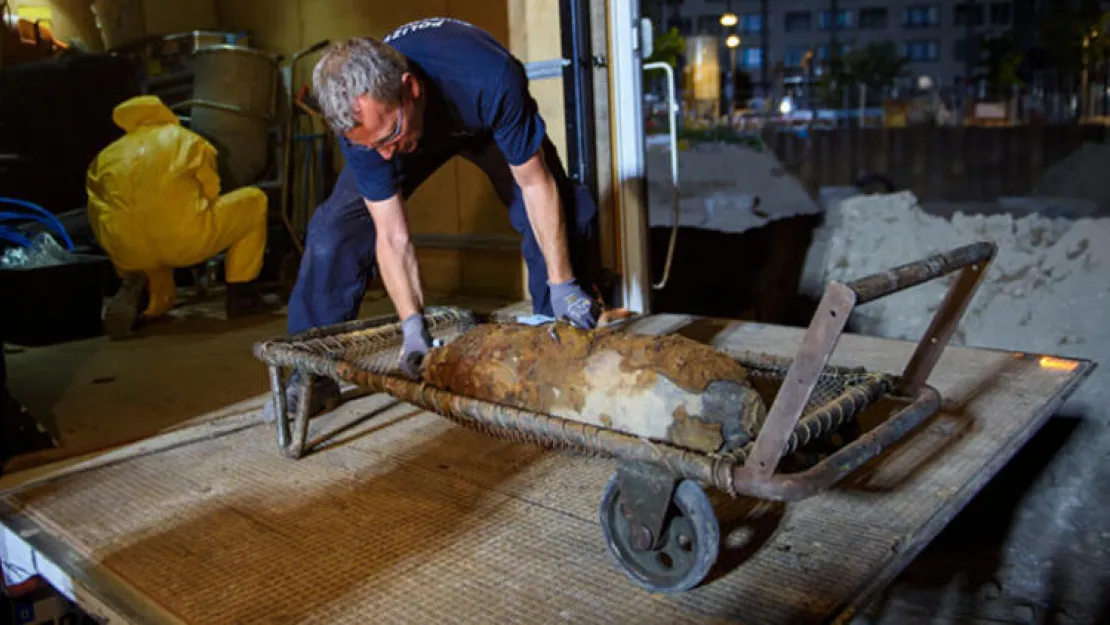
(291, 441)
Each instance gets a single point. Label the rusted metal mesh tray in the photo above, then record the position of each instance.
(366, 354)
(807, 398)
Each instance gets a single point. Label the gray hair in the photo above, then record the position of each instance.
(355, 67)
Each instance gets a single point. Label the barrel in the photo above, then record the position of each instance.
(235, 102)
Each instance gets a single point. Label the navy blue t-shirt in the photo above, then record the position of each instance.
(474, 89)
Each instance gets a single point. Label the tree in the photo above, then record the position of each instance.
(1076, 43)
(1000, 60)
(876, 65)
(1072, 37)
(667, 47)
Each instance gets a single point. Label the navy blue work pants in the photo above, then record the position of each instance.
(340, 244)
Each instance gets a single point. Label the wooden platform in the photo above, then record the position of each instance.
(401, 517)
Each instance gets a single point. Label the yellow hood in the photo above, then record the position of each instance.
(146, 110)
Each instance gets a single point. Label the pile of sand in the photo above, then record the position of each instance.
(1047, 291)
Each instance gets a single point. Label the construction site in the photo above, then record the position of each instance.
(845, 372)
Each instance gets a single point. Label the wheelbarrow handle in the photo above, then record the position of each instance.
(828, 323)
(874, 286)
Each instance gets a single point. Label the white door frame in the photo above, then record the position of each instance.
(630, 190)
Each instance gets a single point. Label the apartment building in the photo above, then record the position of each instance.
(932, 34)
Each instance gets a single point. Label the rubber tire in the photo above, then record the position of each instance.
(694, 504)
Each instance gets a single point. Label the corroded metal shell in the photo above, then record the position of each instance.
(666, 388)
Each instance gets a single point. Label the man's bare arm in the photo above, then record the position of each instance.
(541, 202)
(396, 256)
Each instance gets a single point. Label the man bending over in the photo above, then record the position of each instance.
(402, 107)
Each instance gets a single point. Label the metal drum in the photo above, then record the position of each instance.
(234, 102)
(196, 39)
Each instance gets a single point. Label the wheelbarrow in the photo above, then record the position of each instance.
(655, 515)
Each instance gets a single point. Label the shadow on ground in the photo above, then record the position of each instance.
(960, 577)
(248, 550)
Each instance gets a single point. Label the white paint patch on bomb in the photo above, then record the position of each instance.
(629, 406)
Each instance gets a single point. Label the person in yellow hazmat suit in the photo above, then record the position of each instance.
(154, 205)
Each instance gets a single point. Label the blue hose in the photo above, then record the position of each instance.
(11, 235)
(61, 230)
(5, 216)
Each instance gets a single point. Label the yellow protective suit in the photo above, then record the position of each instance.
(155, 203)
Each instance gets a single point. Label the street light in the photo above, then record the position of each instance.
(732, 41)
(729, 19)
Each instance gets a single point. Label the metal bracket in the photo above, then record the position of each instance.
(545, 70)
(645, 497)
(817, 346)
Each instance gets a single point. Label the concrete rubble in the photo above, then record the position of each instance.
(724, 187)
(1041, 542)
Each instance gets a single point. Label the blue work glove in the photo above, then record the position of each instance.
(570, 302)
(417, 342)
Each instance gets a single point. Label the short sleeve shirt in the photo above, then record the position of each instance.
(474, 88)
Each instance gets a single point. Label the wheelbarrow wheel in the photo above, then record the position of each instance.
(689, 547)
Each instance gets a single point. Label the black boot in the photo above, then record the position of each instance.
(122, 309)
(245, 298)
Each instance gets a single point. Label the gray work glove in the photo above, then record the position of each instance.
(417, 342)
(570, 302)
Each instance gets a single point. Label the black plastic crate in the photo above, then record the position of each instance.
(53, 304)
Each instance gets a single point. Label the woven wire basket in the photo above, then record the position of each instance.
(365, 353)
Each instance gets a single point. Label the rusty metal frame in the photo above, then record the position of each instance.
(752, 471)
(825, 330)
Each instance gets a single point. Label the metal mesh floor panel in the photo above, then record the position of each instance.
(403, 517)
